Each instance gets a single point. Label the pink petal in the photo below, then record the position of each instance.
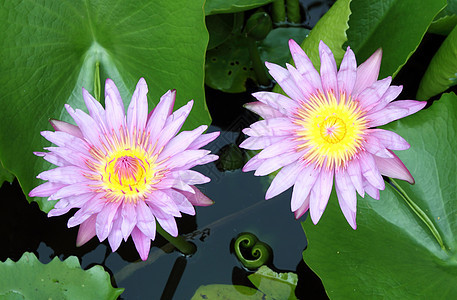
(191, 177)
(305, 87)
(71, 157)
(371, 190)
(115, 236)
(347, 196)
(181, 201)
(105, 217)
(198, 198)
(263, 110)
(115, 112)
(184, 157)
(145, 220)
(328, 68)
(62, 139)
(285, 178)
(88, 126)
(320, 194)
(53, 158)
(279, 102)
(302, 188)
(393, 167)
(253, 164)
(46, 189)
(391, 94)
(203, 140)
(74, 189)
(355, 173)
(302, 209)
(164, 204)
(304, 65)
(66, 127)
(201, 161)
(272, 164)
(142, 243)
(272, 127)
(180, 143)
(96, 110)
(64, 205)
(159, 115)
(372, 95)
(347, 74)
(169, 225)
(92, 207)
(394, 111)
(370, 171)
(86, 231)
(257, 143)
(137, 113)
(375, 147)
(276, 149)
(180, 112)
(67, 175)
(128, 215)
(284, 79)
(389, 139)
(171, 129)
(368, 72)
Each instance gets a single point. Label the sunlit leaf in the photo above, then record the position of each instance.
(442, 70)
(396, 26)
(50, 50)
(223, 6)
(28, 278)
(393, 254)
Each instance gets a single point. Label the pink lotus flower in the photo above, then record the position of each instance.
(125, 172)
(324, 132)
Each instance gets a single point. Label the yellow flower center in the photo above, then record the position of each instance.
(331, 130)
(127, 169)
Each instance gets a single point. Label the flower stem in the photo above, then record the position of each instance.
(257, 64)
(185, 247)
(278, 11)
(419, 212)
(293, 11)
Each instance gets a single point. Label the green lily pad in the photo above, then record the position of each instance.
(393, 254)
(229, 65)
(275, 285)
(231, 6)
(396, 26)
(219, 28)
(5, 175)
(442, 70)
(51, 49)
(28, 278)
(275, 47)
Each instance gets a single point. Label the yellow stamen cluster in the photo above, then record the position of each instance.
(332, 129)
(127, 166)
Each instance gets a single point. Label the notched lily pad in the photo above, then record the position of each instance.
(28, 278)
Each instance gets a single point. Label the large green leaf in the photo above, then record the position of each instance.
(227, 292)
(396, 26)
(50, 50)
(446, 20)
(223, 6)
(30, 279)
(331, 29)
(393, 254)
(442, 70)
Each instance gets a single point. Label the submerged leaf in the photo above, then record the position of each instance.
(275, 285)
